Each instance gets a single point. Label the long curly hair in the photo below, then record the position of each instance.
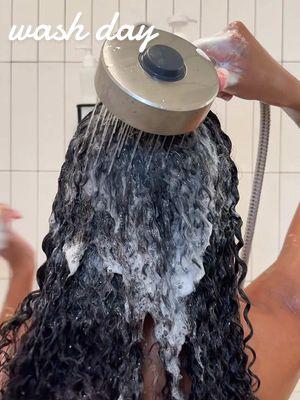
(141, 224)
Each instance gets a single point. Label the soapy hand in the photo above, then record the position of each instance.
(247, 70)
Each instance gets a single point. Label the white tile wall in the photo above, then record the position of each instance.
(5, 24)
(193, 11)
(51, 13)
(24, 133)
(290, 138)
(47, 189)
(268, 26)
(25, 12)
(266, 240)
(24, 186)
(159, 19)
(102, 15)
(51, 118)
(39, 90)
(5, 97)
(291, 30)
(245, 13)
(132, 11)
(72, 8)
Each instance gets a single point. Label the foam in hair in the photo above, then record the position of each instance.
(149, 290)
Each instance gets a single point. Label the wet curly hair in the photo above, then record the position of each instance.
(140, 224)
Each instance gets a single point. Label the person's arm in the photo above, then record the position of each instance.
(275, 316)
(21, 259)
(248, 71)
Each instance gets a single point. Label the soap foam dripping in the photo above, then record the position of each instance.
(159, 290)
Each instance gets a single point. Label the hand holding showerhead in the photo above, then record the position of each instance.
(248, 71)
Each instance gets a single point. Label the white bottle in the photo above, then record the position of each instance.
(87, 76)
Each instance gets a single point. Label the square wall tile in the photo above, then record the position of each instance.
(72, 98)
(219, 108)
(290, 134)
(245, 186)
(269, 26)
(265, 247)
(24, 116)
(4, 187)
(48, 185)
(289, 201)
(159, 19)
(239, 127)
(103, 13)
(273, 157)
(25, 12)
(73, 7)
(24, 199)
(211, 21)
(295, 396)
(5, 84)
(51, 13)
(192, 30)
(244, 13)
(291, 30)
(51, 116)
(132, 11)
(5, 25)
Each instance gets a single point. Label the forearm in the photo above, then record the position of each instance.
(19, 286)
(280, 284)
(291, 104)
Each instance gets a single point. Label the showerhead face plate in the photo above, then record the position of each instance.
(168, 89)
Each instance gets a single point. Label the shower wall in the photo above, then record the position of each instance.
(39, 90)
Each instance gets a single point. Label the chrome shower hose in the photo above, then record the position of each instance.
(265, 121)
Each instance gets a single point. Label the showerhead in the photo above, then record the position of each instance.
(168, 89)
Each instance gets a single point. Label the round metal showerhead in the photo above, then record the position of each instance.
(168, 89)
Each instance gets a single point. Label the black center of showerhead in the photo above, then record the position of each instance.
(163, 62)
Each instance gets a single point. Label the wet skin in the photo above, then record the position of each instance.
(275, 316)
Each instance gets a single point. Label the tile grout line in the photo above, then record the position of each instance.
(64, 82)
(92, 26)
(38, 138)
(226, 104)
(251, 260)
(10, 111)
(200, 18)
(280, 135)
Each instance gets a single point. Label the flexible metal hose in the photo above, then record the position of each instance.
(265, 121)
